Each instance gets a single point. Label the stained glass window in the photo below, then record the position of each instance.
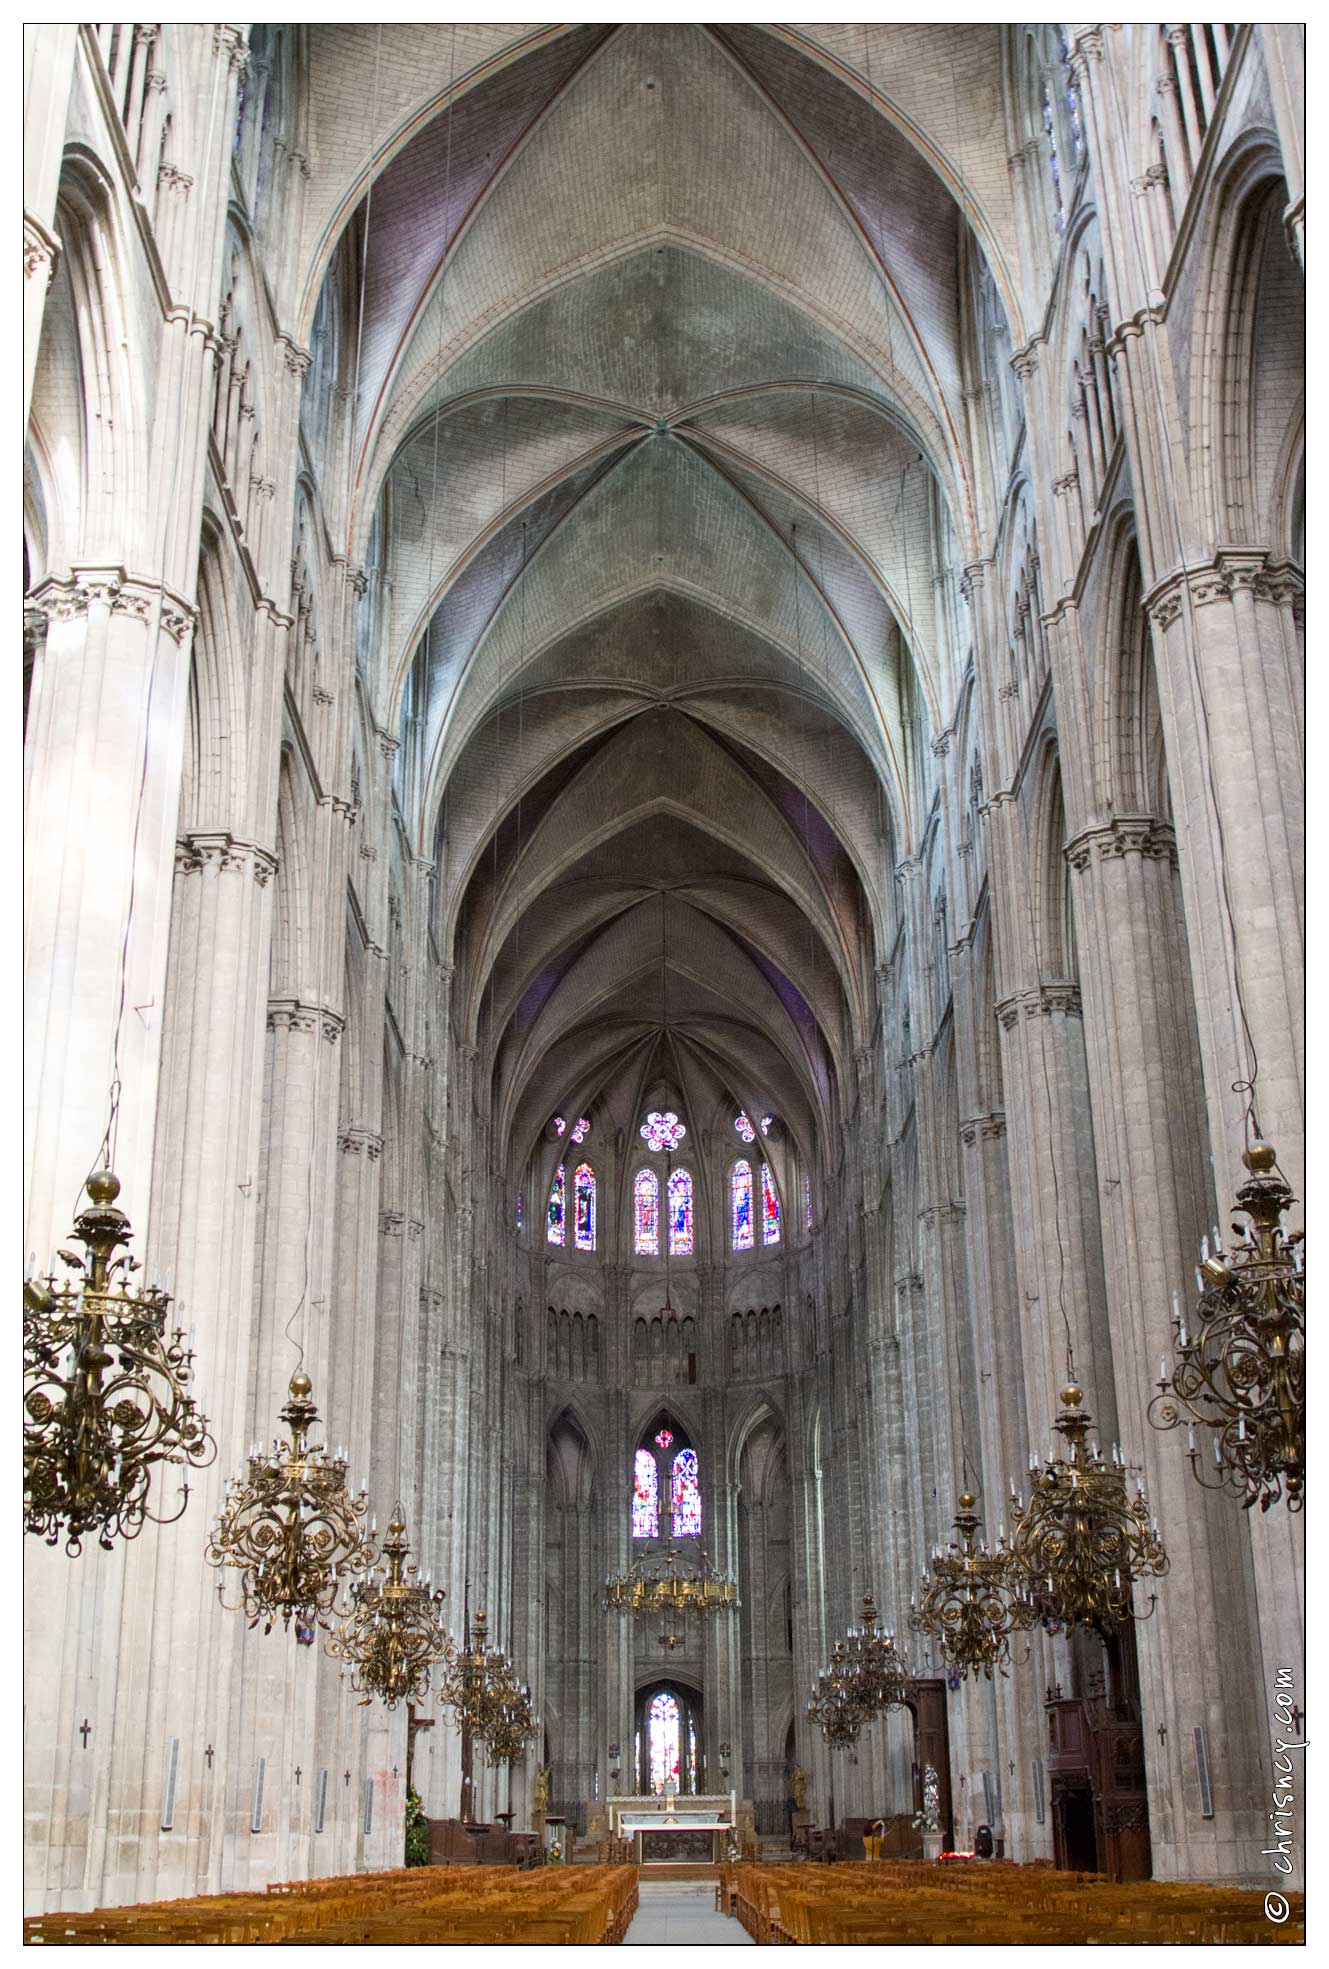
(518, 1209)
(740, 1205)
(558, 1124)
(807, 1199)
(646, 1214)
(662, 1131)
(665, 1437)
(680, 1214)
(645, 1497)
(557, 1201)
(686, 1496)
(770, 1207)
(582, 1129)
(662, 1735)
(766, 1121)
(583, 1204)
(745, 1128)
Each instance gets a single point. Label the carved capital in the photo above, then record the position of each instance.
(361, 1141)
(1041, 1001)
(224, 854)
(111, 588)
(296, 359)
(982, 1128)
(391, 1223)
(41, 249)
(175, 179)
(292, 1015)
(231, 42)
(1127, 834)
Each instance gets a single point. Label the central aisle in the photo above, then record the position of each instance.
(682, 1913)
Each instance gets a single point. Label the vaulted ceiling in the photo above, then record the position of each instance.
(659, 426)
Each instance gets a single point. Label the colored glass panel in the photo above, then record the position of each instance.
(665, 1437)
(807, 1199)
(646, 1214)
(558, 1124)
(740, 1206)
(662, 1131)
(686, 1496)
(518, 1209)
(583, 1204)
(745, 1128)
(680, 1214)
(662, 1737)
(766, 1121)
(645, 1497)
(582, 1129)
(557, 1207)
(770, 1207)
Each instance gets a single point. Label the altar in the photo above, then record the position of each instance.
(676, 1831)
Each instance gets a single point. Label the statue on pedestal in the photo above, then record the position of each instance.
(798, 1788)
(540, 1797)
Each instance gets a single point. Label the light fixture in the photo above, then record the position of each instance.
(835, 1708)
(972, 1601)
(105, 1390)
(1082, 1541)
(865, 1675)
(654, 1585)
(481, 1688)
(292, 1530)
(1242, 1373)
(393, 1636)
(880, 1671)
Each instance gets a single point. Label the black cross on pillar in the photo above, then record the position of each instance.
(298, 1774)
(348, 1780)
(85, 1731)
(394, 1770)
(209, 1753)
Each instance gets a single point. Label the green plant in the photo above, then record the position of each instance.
(417, 1830)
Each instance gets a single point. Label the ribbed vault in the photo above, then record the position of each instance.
(659, 461)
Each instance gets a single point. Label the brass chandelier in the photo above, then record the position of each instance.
(1242, 1373)
(292, 1530)
(653, 1585)
(972, 1600)
(105, 1390)
(835, 1708)
(393, 1635)
(865, 1675)
(1082, 1541)
(481, 1688)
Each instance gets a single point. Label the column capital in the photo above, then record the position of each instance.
(41, 248)
(296, 358)
(1231, 571)
(1041, 1001)
(982, 1127)
(224, 853)
(85, 588)
(361, 1141)
(1126, 834)
(293, 1015)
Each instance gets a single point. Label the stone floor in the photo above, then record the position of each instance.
(682, 1913)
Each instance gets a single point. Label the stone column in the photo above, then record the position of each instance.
(1199, 1655)
(49, 54)
(1239, 624)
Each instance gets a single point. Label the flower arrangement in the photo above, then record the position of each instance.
(417, 1830)
(555, 1850)
(929, 1818)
